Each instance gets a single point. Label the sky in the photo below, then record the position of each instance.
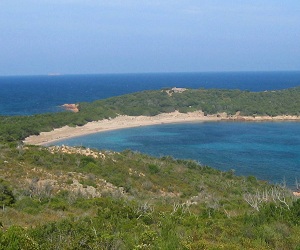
(135, 36)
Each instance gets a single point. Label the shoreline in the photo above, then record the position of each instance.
(124, 121)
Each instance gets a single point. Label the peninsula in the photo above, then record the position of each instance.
(170, 105)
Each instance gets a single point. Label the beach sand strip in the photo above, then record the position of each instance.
(124, 121)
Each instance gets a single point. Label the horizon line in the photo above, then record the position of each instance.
(144, 73)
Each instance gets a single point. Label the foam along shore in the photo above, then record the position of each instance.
(124, 121)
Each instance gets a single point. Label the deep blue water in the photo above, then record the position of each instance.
(269, 151)
(27, 95)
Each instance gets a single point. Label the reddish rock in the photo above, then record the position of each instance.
(71, 106)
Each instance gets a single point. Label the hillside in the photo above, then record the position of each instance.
(78, 198)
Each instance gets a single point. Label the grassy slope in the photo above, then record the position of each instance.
(139, 202)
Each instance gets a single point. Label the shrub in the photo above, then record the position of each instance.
(6, 195)
(16, 238)
(153, 169)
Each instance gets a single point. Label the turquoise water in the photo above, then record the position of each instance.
(268, 150)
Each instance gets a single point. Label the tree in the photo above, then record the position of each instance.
(6, 195)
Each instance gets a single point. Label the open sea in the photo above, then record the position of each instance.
(269, 151)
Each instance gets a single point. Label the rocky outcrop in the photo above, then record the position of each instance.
(170, 92)
(71, 106)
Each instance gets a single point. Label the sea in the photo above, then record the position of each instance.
(267, 150)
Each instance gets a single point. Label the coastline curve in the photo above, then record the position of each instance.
(124, 121)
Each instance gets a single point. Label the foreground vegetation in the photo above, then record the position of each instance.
(272, 103)
(78, 198)
(66, 198)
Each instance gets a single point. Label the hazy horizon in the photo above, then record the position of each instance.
(117, 37)
(145, 73)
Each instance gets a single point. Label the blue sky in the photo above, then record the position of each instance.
(135, 36)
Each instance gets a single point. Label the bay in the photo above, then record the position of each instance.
(268, 150)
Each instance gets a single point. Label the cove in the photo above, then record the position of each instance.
(267, 150)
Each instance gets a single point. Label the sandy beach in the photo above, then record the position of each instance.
(124, 121)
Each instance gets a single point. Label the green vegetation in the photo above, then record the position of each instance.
(78, 198)
(6, 196)
(272, 103)
(127, 200)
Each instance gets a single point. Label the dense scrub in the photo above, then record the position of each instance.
(272, 103)
(144, 203)
(211, 101)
